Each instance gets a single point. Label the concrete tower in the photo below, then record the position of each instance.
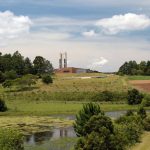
(63, 60)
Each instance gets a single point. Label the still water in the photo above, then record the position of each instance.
(57, 138)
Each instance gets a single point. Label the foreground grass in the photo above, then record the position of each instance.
(144, 145)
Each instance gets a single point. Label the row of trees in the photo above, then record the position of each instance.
(133, 68)
(15, 65)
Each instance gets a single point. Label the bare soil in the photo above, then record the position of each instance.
(141, 84)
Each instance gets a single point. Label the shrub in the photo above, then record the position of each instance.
(11, 139)
(141, 111)
(134, 97)
(146, 123)
(83, 117)
(10, 75)
(130, 113)
(3, 106)
(47, 79)
(146, 101)
(2, 77)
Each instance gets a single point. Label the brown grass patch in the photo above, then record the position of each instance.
(141, 84)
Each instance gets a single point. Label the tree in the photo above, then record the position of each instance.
(41, 65)
(100, 135)
(134, 97)
(47, 79)
(84, 115)
(28, 68)
(3, 106)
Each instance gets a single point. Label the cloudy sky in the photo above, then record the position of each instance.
(96, 34)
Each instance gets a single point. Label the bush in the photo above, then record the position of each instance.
(11, 140)
(134, 97)
(83, 117)
(3, 106)
(146, 123)
(47, 79)
(141, 111)
(10, 75)
(131, 127)
(2, 77)
(100, 135)
(146, 101)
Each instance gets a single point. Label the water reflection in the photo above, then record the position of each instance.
(54, 134)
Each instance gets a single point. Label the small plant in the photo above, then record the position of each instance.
(134, 97)
(3, 106)
(47, 79)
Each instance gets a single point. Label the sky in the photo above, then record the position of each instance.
(96, 34)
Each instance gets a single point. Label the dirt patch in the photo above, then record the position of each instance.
(141, 84)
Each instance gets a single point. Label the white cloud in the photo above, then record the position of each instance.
(12, 26)
(97, 63)
(90, 33)
(120, 23)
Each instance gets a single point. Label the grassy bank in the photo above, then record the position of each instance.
(144, 145)
(138, 77)
(42, 108)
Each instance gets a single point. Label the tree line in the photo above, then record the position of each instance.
(15, 65)
(133, 68)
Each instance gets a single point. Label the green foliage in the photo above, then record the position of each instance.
(129, 113)
(131, 128)
(15, 65)
(141, 111)
(47, 79)
(3, 106)
(146, 123)
(10, 75)
(146, 100)
(100, 135)
(11, 140)
(84, 115)
(132, 68)
(108, 96)
(41, 65)
(2, 77)
(134, 97)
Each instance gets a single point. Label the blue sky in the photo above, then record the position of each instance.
(97, 34)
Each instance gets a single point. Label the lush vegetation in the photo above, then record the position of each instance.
(132, 68)
(134, 97)
(11, 139)
(101, 133)
(15, 65)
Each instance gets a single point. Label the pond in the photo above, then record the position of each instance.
(59, 138)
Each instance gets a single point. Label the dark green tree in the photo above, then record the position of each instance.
(41, 65)
(83, 117)
(134, 97)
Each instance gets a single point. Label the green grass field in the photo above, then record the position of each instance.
(138, 77)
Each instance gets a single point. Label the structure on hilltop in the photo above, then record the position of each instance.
(63, 66)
